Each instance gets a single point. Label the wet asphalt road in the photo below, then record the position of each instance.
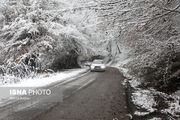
(90, 96)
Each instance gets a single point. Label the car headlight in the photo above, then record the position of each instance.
(103, 67)
(92, 66)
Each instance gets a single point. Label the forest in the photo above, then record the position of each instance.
(141, 37)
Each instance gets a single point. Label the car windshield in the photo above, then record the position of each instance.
(97, 62)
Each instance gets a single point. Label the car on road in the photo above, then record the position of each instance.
(97, 66)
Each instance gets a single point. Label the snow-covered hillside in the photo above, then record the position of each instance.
(46, 34)
(150, 31)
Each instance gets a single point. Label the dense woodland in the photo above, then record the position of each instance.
(36, 35)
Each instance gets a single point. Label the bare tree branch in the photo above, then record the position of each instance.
(170, 10)
(167, 13)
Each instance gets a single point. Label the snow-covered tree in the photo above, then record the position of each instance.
(47, 34)
(150, 29)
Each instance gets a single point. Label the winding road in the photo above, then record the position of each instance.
(90, 96)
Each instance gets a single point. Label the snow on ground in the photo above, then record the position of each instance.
(155, 119)
(174, 106)
(144, 99)
(173, 109)
(46, 79)
(42, 81)
(141, 113)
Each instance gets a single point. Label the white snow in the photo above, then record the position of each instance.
(43, 80)
(173, 109)
(144, 99)
(155, 119)
(135, 82)
(140, 113)
(46, 79)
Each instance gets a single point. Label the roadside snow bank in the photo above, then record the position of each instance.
(47, 79)
(155, 119)
(141, 113)
(174, 105)
(144, 99)
(149, 100)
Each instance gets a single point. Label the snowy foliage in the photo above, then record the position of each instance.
(46, 34)
(149, 29)
(143, 35)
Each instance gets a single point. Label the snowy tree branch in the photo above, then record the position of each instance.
(170, 10)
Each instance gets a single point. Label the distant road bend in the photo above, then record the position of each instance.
(92, 96)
